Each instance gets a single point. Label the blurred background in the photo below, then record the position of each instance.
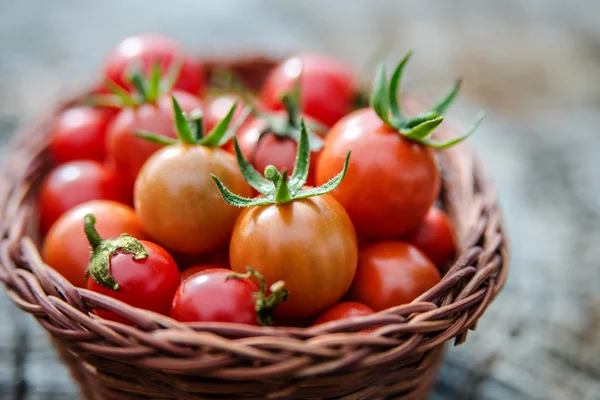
(533, 66)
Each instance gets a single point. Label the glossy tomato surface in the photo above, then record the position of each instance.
(66, 248)
(148, 283)
(391, 274)
(79, 134)
(391, 181)
(327, 86)
(208, 296)
(344, 310)
(74, 183)
(435, 237)
(145, 51)
(129, 152)
(309, 244)
(180, 205)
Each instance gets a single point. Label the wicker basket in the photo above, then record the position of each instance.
(164, 359)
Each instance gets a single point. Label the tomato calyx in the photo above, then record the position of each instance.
(384, 100)
(147, 89)
(190, 130)
(103, 249)
(265, 305)
(275, 185)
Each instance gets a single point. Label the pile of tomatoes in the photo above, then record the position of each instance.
(158, 196)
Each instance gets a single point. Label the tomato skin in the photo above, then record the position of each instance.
(79, 134)
(217, 108)
(208, 296)
(149, 49)
(129, 152)
(391, 181)
(271, 149)
(308, 244)
(149, 283)
(344, 310)
(435, 237)
(327, 86)
(392, 273)
(66, 248)
(194, 269)
(74, 183)
(180, 205)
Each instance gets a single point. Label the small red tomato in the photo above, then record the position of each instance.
(390, 274)
(128, 151)
(392, 181)
(327, 86)
(343, 310)
(194, 269)
(79, 134)
(74, 183)
(216, 295)
(218, 107)
(148, 50)
(66, 248)
(435, 238)
(139, 273)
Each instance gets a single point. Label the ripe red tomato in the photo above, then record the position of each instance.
(344, 310)
(148, 50)
(129, 152)
(435, 238)
(271, 149)
(194, 269)
(391, 274)
(309, 244)
(209, 296)
(66, 248)
(137, 272)
(74, 183)
(327, 86)
(178, 202)
(391, 182)
(79, 134)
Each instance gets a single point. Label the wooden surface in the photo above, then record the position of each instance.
(533, 66)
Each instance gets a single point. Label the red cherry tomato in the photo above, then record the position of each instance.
(271, 149)
(148, 50)
(74, 183)
(194, 269)
(140, 273)
(435, 238)
(343, 310)
(327, 86)
(209, 296)
(66, 249)
(391, 274)
(79, 134)
(391, 181)
(129, 152)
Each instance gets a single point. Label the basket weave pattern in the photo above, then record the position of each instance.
(165, 359)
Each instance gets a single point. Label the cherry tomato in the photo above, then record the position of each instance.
(218, 107)
(74, 183)
(271, 149)
(435, 238)
(209, 296)
(391, 182)
(194, 269)
(79, 134)
(66, 248)
(179, 204)
(129, 152)
(343, 310)
(137, 272)
(148, 50)
(327, 86)
(309, 244)
(391, 274)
